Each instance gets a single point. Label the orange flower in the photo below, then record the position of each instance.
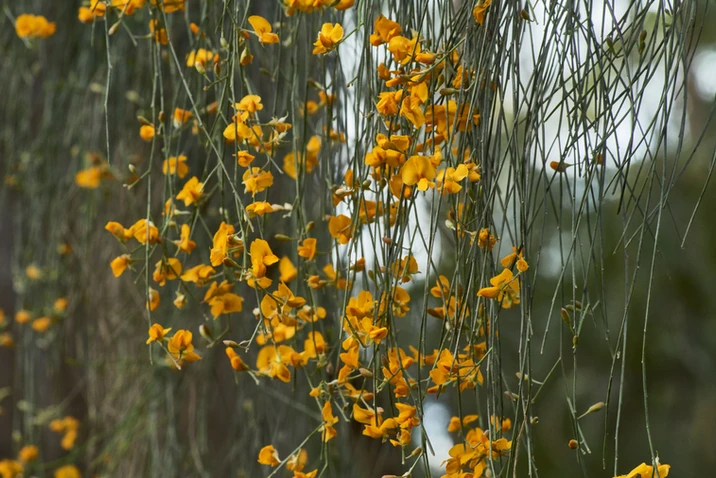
(41, 324)
(419, 170)
(69, 426)
(191, 192)
(250, 104)
(256, 180)
(201, 57)
(385, 30)
(22, 316)
(198, 274)
(269, 456)
(262, 28)
(412, 111)
(159, 34)
(175, 165)
(480, 10)
(157, 333)
(236, 362)
(184, 243)
(221, 243)
(261, 257)
(120, 264)
(97, 8)
(327, 430)
(169, 6)
(328, 38)
(154, 300)
(244, 158)
(340, 228)
(33, 26)
(181, 117)
(143, 229)
(146, 132)
(89, 178)
(28, 453)
(181, 348)
(258, 208)
(167, 270)
(505, 289)
(308, 248)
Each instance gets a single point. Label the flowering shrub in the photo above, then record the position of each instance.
(328, 211)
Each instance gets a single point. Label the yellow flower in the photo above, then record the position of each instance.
(258, 208)
(256, 180)
(119, 231)
(69, 426)
(89, 178)
(328, 38)
(515, 258)
(167, 270)
(287, 270)
(249, 103)
(220, 249)
(307, 250)
(262, 28)
(201, 57)
(647, 471)
(28, 453)
(412, 111)
(419, 170)
(480, 10)
(181, 117)
(269, 456)
(159, 34)
(68, 471)
(169, 6)
(10, 468)
(221, 300)
(198, 274)
(157, 333)
(41, 324)
(120, 264)
(33, 26)
(388, 103)
(154, 300)
(449, 178)
(97, 8)
(340, 228)
(327, 431)
(404, 50)
(146, 132)
(128, 6)
(143, 229)
(184, 243)
(7, 342)
(60, 304)
(180, 300)
(236, 362)
(261, 257)
(385, 30)
(244, 158)
(181, 348)
(485, 240)
(33, 272)
(175, 165)
(22, 316)
(191, 192)
(505, 288)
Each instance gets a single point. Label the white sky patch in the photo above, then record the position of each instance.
(704, 71)
(436, 419)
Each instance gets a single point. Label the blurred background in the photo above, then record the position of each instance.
(143, 420)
